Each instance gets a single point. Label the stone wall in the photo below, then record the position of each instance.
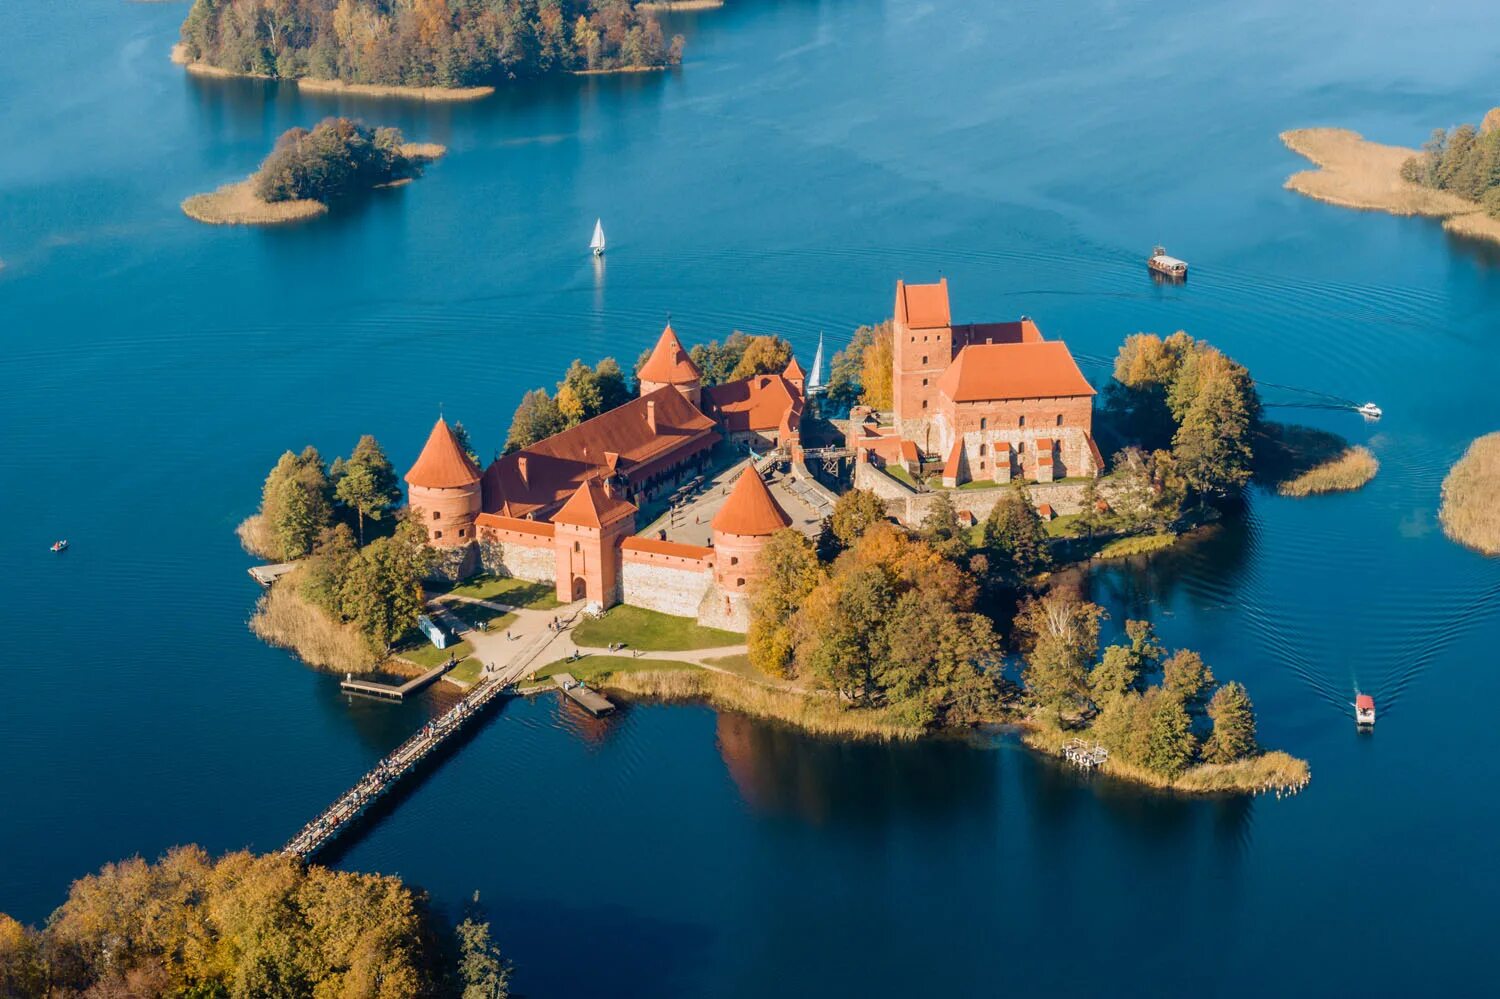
(663, 583)
(723, 610)
(911, 507)
(454, 563)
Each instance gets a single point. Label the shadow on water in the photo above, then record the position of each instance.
(783, 771)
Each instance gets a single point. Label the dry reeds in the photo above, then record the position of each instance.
(1345, 472)
(237, 204)
(816, 713)
(284, 618)
(1275, 772)
(1471, 497)
(255, 538)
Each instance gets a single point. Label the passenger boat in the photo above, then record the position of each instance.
(1369, 411)
(1168, 267)
(60, 546)
(597, 243)
(1364, 711)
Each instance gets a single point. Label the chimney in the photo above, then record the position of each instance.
(651, 414)
(521, 467)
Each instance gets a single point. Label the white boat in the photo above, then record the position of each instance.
(60, 546)
(815, 380)
(1364, 711)
(597, 243)
(1369, 411)
(1167, 267)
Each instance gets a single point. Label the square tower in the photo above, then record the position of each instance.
(921, 350)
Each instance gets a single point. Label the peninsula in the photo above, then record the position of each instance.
(310, 169)
(1470, 512)
(434, 51)
(1448, 179)
(863, 578)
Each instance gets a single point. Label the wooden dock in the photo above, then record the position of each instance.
(391, 692)
(591, 701)
(265, 575)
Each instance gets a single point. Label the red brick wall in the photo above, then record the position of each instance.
(448, 514)
(919, 355)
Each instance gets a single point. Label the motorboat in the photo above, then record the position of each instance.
(1369, 411)
(1364, 711)
(60, 546)
(1167, 267)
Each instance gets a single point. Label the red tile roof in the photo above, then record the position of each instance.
(619, 441)
(1020, 331)
(750, 509)
(762, 403)
(442, 463)
(521, 525)
(954, 464)
(794, 372)
(1046, 512)
(1043, 370)
(909, 451)
(676, 548)
(592, 506)
(669, 364)
(923, 306)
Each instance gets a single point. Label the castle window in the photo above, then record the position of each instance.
(577, 547)
(924, 383)
(1020, 445)
(437, 515)
(437, 534)
(982, 450)
(460, 532)
(924, 358)
(734, 560)
(1059, 419)
(984, 423)
(924, 403)
(739, 582)
(981, 466)
(1021, 422)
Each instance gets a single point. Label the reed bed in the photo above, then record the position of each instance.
(284, 618)
(255, 537)
(819, 714)
(237, 204)
(1273, 772)
(1141, 544)
(1470, 512)
(1343, 473)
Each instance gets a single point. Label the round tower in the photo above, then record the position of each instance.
(670, 365)
(444, 486)
(741, 529)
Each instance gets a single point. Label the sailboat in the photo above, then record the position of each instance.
(815, 382)
(597, 243)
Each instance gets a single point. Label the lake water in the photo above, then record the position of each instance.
(807, 155)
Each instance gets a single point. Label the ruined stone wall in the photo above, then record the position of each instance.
(719, 609)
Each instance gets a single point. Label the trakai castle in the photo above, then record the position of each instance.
(993, 401)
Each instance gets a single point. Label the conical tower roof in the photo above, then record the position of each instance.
(669, 364)
(750, 509)
(442, 463)
(793, 372)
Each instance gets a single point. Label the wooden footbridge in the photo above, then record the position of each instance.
(408, 756)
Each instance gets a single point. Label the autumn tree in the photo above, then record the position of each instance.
(483, 971)
(941, 529)
(763, 355)
(876, 369)
(1187, 677)
(854, 513)
(537, 418)
(846, 367)
(1059, 634)
(790, 570)
(1233, 716)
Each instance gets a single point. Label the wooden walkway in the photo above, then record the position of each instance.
(391, 692)
(265, 575)
(353, 803)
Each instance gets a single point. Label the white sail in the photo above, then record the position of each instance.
(597, 243)
(815, 383)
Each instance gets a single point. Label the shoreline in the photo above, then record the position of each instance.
(237, 204)
(675, 6)
(1354, 172)
(313, 85)
(618, 69)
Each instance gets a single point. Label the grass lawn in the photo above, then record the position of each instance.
(594, 668)
(1137, 545)
(467, 671)
(1057, 527)
(516, 592)
(422, 652)
(740, 666)
(899, 474)
(651, 632)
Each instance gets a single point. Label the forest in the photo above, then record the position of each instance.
(337, 157)
(424, 43)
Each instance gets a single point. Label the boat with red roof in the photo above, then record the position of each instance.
(1364, 711)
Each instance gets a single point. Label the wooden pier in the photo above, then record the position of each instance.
(591, 701)
(265, 575)
(391, 692)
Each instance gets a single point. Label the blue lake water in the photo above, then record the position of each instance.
(807, 154)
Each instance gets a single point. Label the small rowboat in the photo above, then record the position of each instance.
(1168, 267)
(60, 546)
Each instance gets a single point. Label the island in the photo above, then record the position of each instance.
(309, 170)
(432, 51)
(708, 527)
(1470, 511)
(251, 925)
(1454, 177)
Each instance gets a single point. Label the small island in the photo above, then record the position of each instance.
(309, 170)
(423, 51)
(1454, 176)
(1470, 512)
